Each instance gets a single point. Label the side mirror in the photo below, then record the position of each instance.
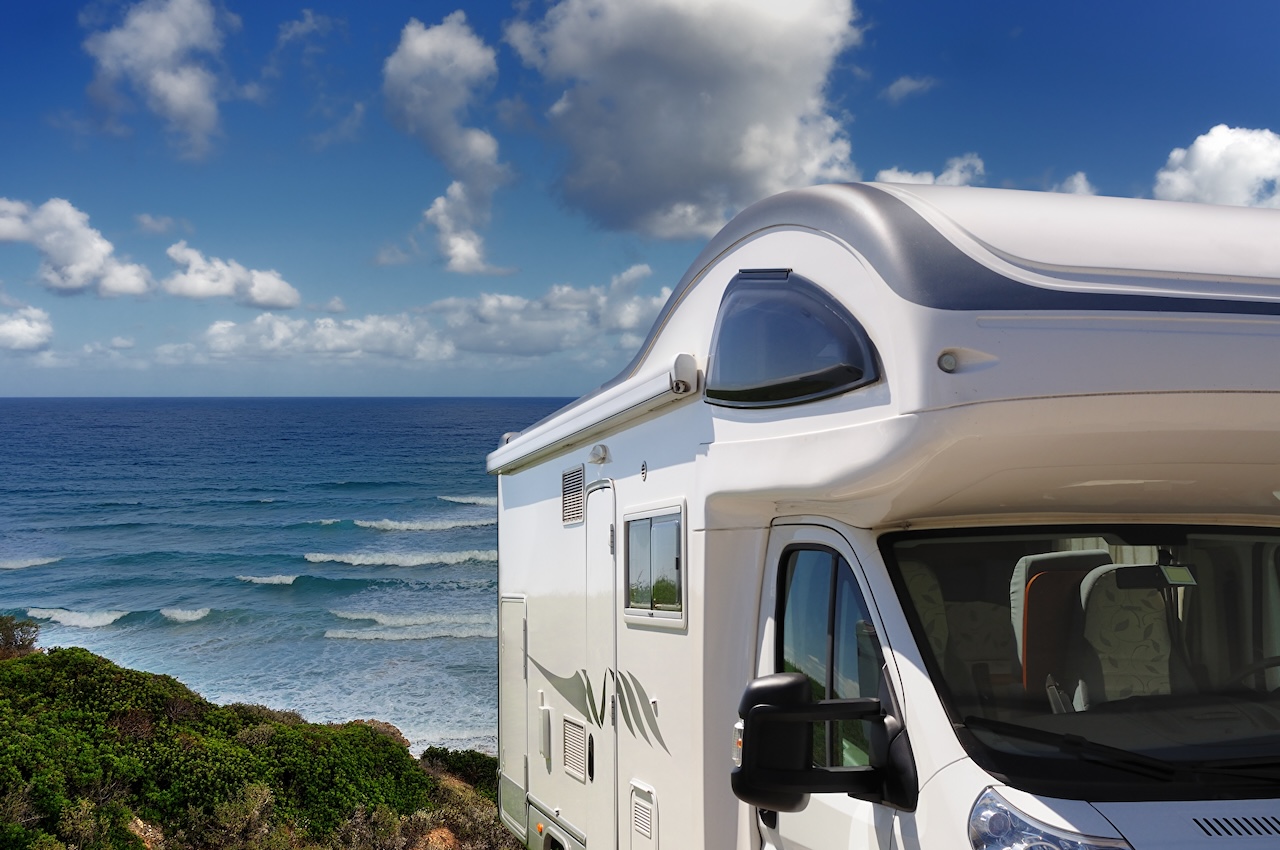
(775, 769)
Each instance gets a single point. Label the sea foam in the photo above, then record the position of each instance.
(268, 579)
(80, 619)
(404, 620)
(402, 559)
(487, 501)
(184, 615)
(424, 525)
(23, 563)
(414, 633)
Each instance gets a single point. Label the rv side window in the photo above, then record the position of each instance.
(654, 577)
(779, 339)
(824, 632)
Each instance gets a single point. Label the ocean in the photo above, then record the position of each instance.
(333, 557)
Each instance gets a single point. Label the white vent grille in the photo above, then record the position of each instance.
(642, 817)
(1256, 827)
(575, 749)
(572, 495)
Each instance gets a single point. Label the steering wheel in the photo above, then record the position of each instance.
(1256, 667)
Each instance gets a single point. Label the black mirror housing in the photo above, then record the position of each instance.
(777, 772)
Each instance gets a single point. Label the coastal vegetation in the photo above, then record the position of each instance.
(95, 756)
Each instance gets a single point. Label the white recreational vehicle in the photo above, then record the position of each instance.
(925, 517)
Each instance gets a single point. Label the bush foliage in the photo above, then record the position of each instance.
(88, 748)
(17, 637)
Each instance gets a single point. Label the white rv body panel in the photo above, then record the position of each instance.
(1029, 371)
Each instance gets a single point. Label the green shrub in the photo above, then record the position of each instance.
(17, 637)
(86, 745)
(478, 770)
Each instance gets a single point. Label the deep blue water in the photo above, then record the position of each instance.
(334, 557)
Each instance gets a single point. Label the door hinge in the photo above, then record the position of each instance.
(613, 709)
(611, 538)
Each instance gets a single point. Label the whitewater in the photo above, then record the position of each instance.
(334, 557)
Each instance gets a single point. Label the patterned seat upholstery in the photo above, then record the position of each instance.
(926, 596)
(1127, 648)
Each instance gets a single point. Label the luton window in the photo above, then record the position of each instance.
(779, 339)
(825, 633)
(654, 566)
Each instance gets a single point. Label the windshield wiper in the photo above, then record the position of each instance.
(1121, 759)
(1081, 748)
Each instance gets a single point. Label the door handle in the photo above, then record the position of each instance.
(591, 758)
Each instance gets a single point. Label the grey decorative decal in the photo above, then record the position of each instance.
(633, 701)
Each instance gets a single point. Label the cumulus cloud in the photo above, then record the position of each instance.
(1076, 184)
(1227, 165)
(566, 317)
(905, 87)
(430, 83)
(213, 278)
(163, 50)
(75, 256)
(400, 337)
(25, 329)
(335, 305)
(960, 171)
(677, 113)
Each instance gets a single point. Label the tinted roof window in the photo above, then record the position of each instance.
(781, 340)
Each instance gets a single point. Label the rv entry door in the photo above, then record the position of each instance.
(601, 657)
(825, 629)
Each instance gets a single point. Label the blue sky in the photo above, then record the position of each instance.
(393, 198)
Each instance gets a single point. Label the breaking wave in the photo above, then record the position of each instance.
(487, 501)
(268, 579)
(414, 633)
(23, 563)
(403, 620)
(403, 559)
(184, 615)
(424, 525)
(80, 619)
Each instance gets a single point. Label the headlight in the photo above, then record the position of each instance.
(996, 825)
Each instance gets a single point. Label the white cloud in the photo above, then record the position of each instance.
(1076, 184)
(154, 224)
(335, 305)
(391, 255)
(163, 50)
(75, 256)
(213, 277)
(677, 113)
(121, 343)
(905, 87)
(430, 82)
(565, 318)
(1227, 165)
(345, 130)
(960, 171)
(25, 329)
(398, 337)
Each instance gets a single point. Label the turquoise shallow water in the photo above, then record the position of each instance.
(334, 557)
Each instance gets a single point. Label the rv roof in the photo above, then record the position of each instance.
(1089, 232)
(965, 248)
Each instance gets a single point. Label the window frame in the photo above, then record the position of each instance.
(653, 617)
(780, 620)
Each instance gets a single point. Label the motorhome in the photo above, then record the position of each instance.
(925, 517)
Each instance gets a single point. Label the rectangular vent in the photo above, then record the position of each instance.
(572, 495)
(1257, 827)
(642, 817)
(575, 749)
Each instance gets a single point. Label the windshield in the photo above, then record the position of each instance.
(1098, 662)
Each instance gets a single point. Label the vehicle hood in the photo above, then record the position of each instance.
(1183, 825)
